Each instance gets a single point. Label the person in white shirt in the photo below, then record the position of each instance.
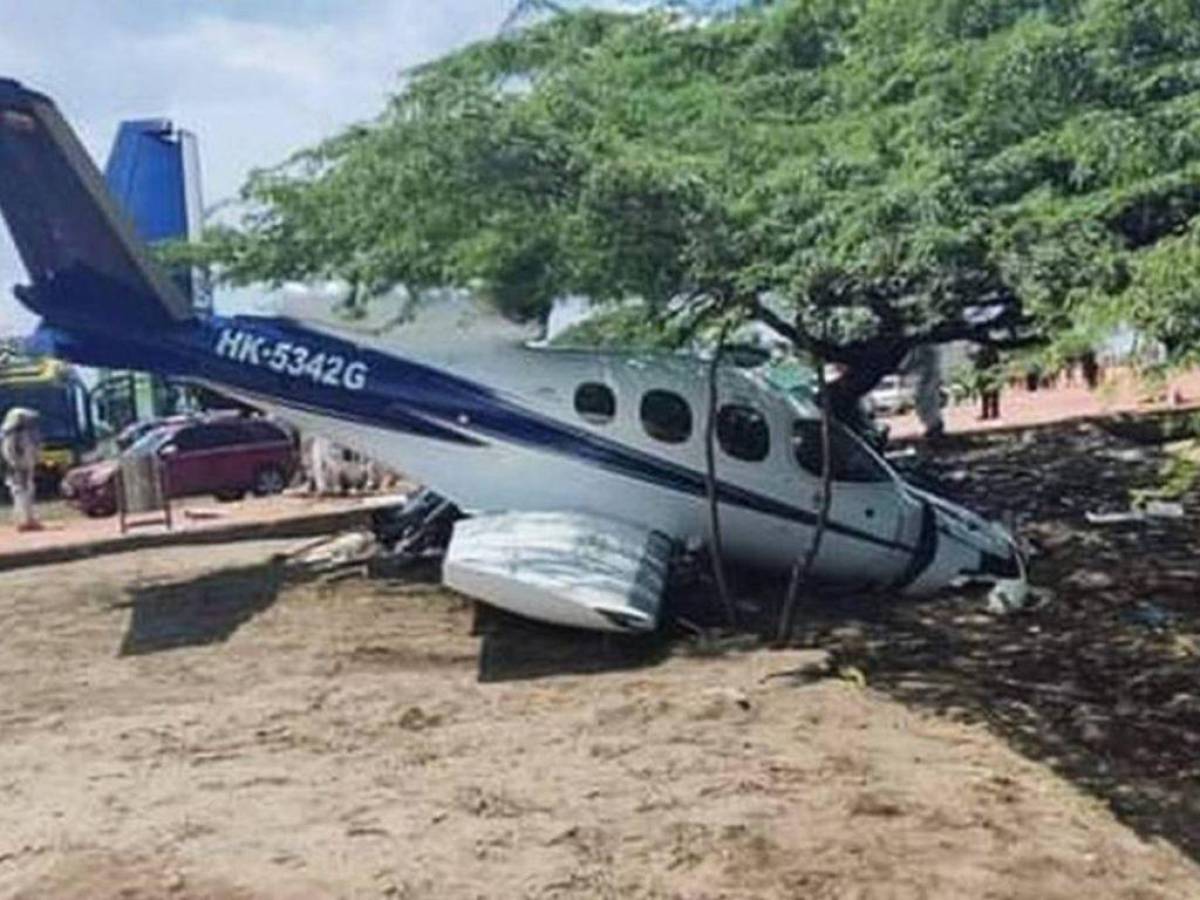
(20, 447)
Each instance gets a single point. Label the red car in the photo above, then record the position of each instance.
(223, 457)
(131, 434)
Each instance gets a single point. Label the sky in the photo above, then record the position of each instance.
(254, 79)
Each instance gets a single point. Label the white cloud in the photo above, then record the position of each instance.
(253, 89)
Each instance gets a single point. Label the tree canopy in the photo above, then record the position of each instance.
(862, 175)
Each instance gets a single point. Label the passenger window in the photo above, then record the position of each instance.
(851, 461)
(595, 403)
(225, 435)
(742, 433)
(666, 417)
(262, 433)
(207, 437)
(189, 440)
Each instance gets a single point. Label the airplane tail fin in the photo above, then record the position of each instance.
(85, 261)
(153, 171)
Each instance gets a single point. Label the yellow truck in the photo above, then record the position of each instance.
(55, 390)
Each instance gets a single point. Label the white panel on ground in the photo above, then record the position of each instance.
(563, 568)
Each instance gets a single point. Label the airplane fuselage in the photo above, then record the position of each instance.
(500, 426)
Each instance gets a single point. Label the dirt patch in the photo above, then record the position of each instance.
(98, 876)
(337, 740)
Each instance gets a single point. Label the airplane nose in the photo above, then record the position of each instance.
(956, 547)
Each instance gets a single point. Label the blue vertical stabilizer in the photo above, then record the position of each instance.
(153, 172)
(145, 174)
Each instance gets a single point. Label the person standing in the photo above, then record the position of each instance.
(988, 375)
(1091, 369)
(321, 466)
(927, 365)
(20, 447)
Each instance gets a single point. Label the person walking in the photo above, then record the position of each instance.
(20, 447)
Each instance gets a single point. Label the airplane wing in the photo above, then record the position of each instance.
(564, 568)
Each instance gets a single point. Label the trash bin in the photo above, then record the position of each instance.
(142, 489)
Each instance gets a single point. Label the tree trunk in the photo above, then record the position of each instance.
(803, 567)
(928, 368)
(860, 377)
(710, 480)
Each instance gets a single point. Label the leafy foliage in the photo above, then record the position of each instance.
(862, 175)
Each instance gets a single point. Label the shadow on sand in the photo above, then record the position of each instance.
(1104, 716)
(200, 611)
(515, 649)
(1102, 684)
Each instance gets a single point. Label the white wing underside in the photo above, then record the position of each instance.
(564, 568)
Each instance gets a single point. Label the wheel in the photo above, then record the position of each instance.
(269, 480)
(100, 511)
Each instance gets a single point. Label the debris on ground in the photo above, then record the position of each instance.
(1115, 518)
(348, 547)
(1127, 455)
(1163, 509)
(853, 675)
(1140, 512)
(1148, 615)
(1090, 580)
(1008, 597)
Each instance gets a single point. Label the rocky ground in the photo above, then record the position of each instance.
(210, 722)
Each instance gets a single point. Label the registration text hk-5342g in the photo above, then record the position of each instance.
(292, 358)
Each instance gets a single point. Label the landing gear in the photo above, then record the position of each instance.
(420, 526)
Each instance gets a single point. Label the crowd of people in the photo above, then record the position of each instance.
(990, 378)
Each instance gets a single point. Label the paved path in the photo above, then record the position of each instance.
(1020, 408)
(197, 521)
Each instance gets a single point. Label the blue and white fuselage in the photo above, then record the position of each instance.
(493, 425)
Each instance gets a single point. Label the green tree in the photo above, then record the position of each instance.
(862, 175)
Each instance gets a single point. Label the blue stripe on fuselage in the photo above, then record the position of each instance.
(405, 396)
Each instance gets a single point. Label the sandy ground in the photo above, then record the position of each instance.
(200, 723)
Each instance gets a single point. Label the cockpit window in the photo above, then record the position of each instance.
(742, 432)
(666, 417)
(851, 461)
(595, 403)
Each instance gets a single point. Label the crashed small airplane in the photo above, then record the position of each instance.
(581, 471)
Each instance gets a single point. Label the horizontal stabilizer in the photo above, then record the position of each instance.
(85, 263)
(568, 569)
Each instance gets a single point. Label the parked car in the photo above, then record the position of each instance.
(135, 431)
(893, 396)
(221, 456)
